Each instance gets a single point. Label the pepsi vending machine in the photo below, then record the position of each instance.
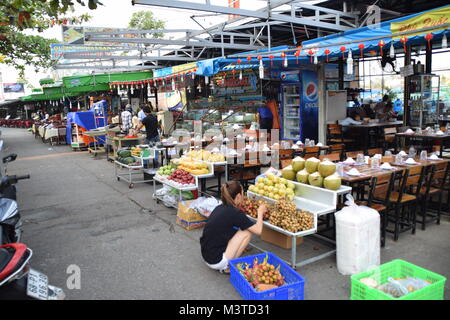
(299, 107)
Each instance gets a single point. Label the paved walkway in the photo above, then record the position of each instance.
(76, 212)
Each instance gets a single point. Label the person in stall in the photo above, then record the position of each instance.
(151, 126)
(228, 230)
(388, 112)
(380, 106)
(126, 118)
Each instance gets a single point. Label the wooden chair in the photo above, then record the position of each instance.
(340, 148)
(378, 199)
(434, 187)
(388, 140)
(335, 134)
(333, 157)
(248, 171)
(403, 201)
(372, 152)
(310, 152)
(353, 154)
(285, 163)
(285, 154)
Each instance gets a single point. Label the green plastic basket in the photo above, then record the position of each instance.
(398, 269)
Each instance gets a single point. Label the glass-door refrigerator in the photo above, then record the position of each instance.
(300, 108)
(290, 111)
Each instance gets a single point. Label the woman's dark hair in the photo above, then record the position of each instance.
(229, 191)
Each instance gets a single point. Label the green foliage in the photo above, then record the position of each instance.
(16, 16)
(391, 94)
(145, 20)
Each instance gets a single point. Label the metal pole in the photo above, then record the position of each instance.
(406, 113)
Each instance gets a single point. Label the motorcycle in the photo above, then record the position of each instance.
(18, 281)
(10, 222)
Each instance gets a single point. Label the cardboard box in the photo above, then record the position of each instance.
(278, 239)
(189, 218)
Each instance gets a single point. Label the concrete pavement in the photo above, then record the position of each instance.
(76, 212)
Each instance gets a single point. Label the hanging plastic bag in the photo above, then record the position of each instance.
(357, 238)
(163, 191)
(204, 205)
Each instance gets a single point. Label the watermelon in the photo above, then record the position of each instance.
(128, 160)
(124, 153)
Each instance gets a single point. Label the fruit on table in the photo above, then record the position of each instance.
(326, 168)
(288, 173)
(311, 164)
(273, 187)
(124, 153)
(332, 182)
(316, 173)
(182, 176)
(126, 160)
(193, 167)
(136, 151)
(261, 273)
(315, 179)
(250, 206)
(302, 176)
(298, 164)
(206, 156)
(166, 170)
(285, 214)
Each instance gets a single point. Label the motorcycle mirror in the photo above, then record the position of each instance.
(9, 158)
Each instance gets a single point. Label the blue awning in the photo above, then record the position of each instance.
(351, 39)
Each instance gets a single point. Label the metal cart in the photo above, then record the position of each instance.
(132, 171)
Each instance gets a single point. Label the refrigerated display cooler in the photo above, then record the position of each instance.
(423, 100)
(299, 108)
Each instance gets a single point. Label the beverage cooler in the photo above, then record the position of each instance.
(299, 108)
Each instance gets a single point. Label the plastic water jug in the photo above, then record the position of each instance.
(357, 238)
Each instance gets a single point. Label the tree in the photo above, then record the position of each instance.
(145, 20)
(16, 16)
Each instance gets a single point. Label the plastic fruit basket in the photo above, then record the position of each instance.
(293, 289)
(398, 269)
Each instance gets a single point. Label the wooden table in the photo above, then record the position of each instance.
(367, 173)
(366, 127)
(423, 136)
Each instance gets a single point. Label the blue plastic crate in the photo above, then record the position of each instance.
(293, 289)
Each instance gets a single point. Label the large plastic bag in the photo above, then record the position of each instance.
(204, 205)
(357, 238)
(163, 191)
(401, 287)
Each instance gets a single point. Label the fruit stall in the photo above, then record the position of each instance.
(294, 209)
(130, 163)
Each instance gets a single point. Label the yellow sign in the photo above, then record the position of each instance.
(184, 67)
(433, 18)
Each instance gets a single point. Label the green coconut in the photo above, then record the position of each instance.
(332, 182)
(288, 173)
(311, 164)
(326, 168)
(298, 164)
(315, 179)
(302, 176)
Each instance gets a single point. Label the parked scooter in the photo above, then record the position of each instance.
(18, 281)
(10, 222)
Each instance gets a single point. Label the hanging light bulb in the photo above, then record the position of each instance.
(149, 91)
(189, 89)
(206, 79)
(315, 59)
(199, 88)
(240, 75)
(173, 85)
(349, 63)
(193, 75)
(182, 77)
(212, 85)
(392, 51)
(132, 90)
(261, 67)
(444, 42)
(285, 60)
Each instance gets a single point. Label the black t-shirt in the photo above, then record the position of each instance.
(151, 126)
(222, 224)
